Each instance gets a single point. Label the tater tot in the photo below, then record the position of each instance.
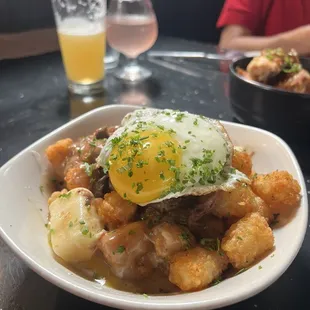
(169, 239)
(247, 240)
(242, 161)
(240, 202)
(116, 211)
(277, 188)
(196, 268)
(57, 153)
(55, 195)
(77, 177)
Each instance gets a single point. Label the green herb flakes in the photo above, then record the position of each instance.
(179, 117)
(84, 230)
(121, 249)
(216, 281)
(139, 187)
(66, 195)
(241, 271)
(88, 169)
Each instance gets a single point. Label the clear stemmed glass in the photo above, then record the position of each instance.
(131, 29)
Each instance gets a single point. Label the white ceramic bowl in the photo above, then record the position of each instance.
(22, 221)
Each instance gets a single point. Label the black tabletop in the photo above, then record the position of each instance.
(34, 101)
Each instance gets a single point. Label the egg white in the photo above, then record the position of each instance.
(197, 134)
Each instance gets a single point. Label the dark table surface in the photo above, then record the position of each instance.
(34, 101)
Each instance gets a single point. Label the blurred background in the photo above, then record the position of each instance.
(175, 19)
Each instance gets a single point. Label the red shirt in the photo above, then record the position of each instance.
(265, 17)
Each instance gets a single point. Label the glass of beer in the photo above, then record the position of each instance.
(131, 29)
(81, 34)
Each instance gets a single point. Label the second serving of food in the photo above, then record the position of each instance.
(281, 70)
(163, 203)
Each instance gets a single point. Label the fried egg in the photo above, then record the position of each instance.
(161, 154)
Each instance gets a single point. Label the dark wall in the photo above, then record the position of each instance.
(188, 19)
(23, 15)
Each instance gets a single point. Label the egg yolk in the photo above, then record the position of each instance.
(143, 166)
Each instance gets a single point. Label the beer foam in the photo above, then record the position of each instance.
(80, 27)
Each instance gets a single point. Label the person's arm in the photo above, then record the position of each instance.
(240, 38)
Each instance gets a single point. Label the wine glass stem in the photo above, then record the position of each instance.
(132, 62)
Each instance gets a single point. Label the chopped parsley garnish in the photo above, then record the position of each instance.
(184, 236)
(139, 187)
(187, 141)
(120, 249)
(169, 143)
(92, 143)
(52, 230)
(145, 295)
(232, 170)
(212, 245)
(294, 68)
(239, 238)
(241, 271)
(66, 195)
(84, 230)
(217, 281)
(162, 176)
(113, 157)
(260, 267)
(179, 117)
(141, 163)
(88, 169)
(196, 122)
(116, 141)
(171, 162)
(82, 222)
(70, 224)
(41, 189)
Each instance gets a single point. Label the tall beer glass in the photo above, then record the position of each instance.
(81, 34)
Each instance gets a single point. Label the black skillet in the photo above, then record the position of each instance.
(284, 113)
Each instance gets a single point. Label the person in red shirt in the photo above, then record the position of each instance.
(258, 24)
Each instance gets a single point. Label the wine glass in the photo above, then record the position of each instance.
(131, 29)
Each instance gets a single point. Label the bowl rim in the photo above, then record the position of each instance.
(153, 302)
(232, 69)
